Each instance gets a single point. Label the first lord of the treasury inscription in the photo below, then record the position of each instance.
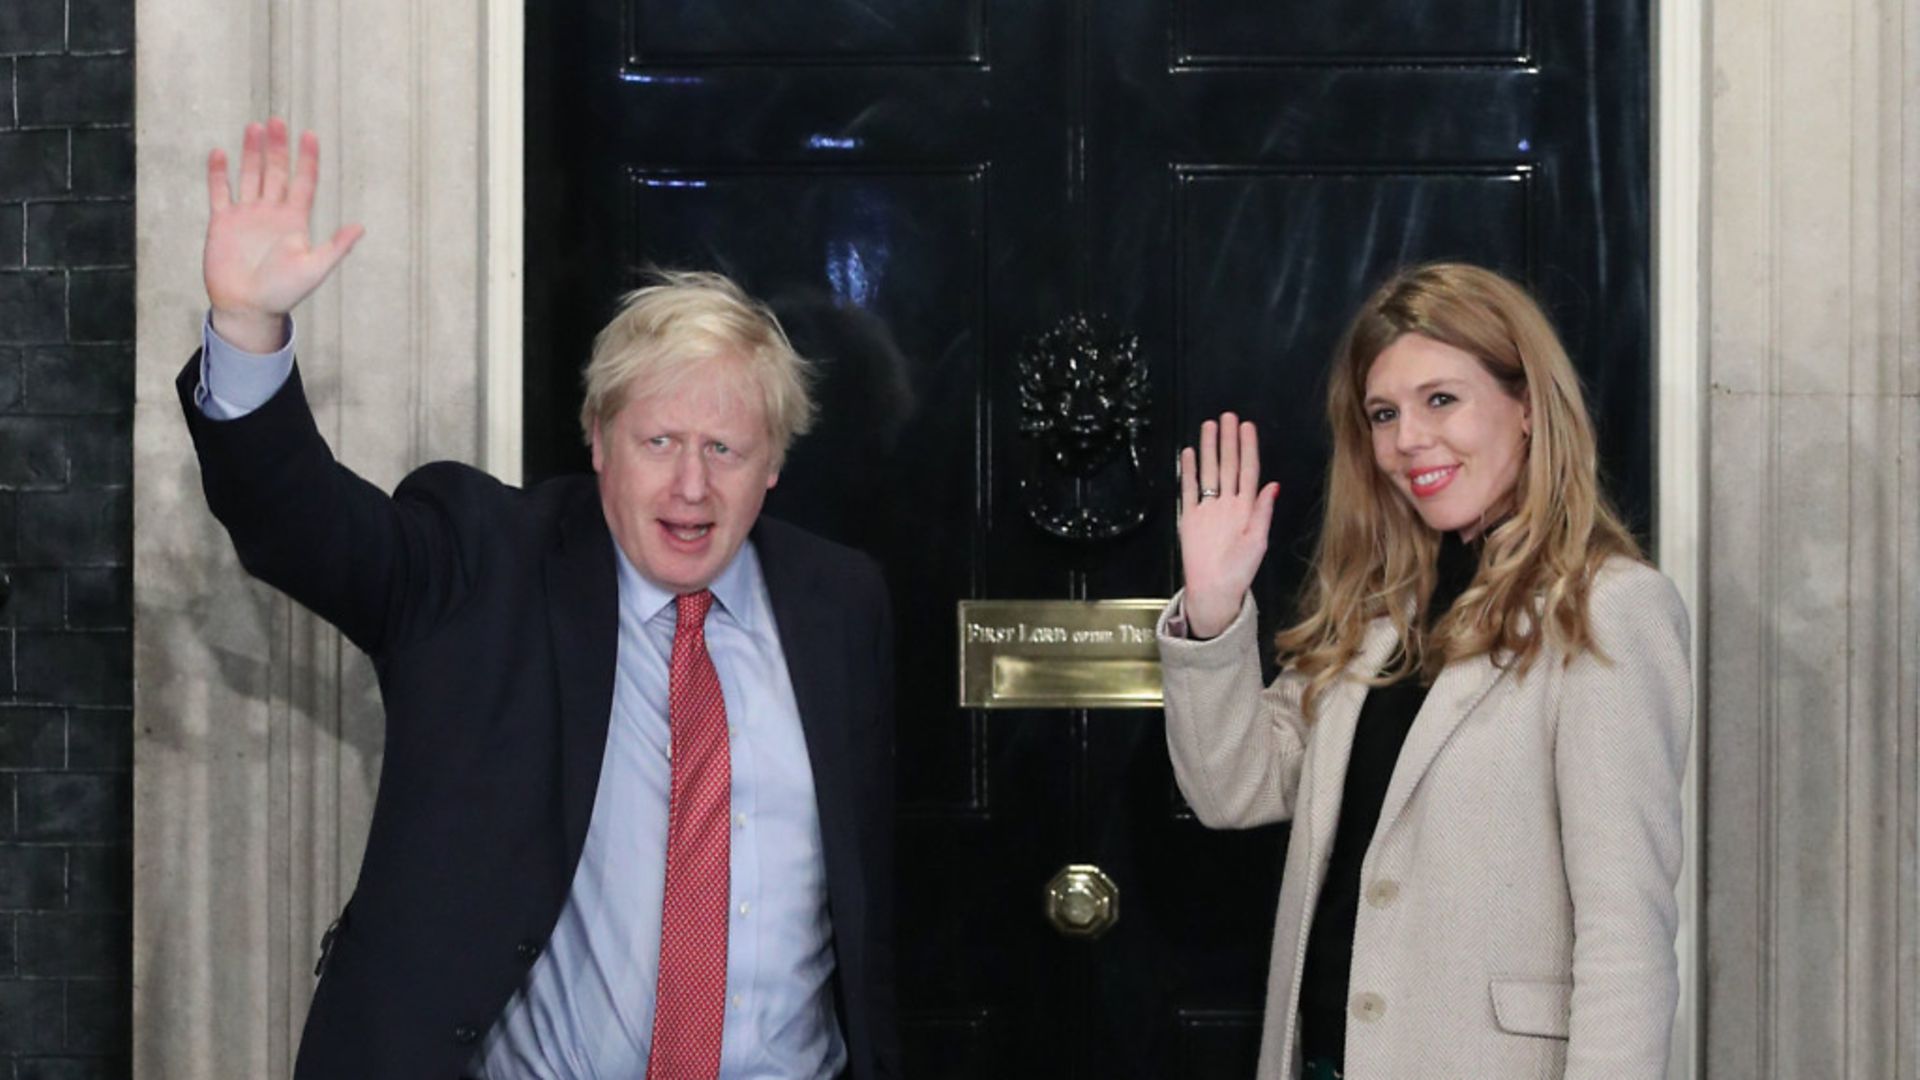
(1070, 654)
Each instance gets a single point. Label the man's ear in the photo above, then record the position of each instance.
(594, 433)
(772, 479)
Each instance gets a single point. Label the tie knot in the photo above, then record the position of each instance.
(690, 609)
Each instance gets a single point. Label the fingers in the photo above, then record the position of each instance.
(1229, 483)
(1209, 457)
(218, 197)
(307, 175)
(1228, 464)
(265, 163)
(1249, 458)
(1263, 507)
(336, 249)
(252, 149)
(273, 183)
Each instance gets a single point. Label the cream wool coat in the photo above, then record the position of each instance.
(1517, 917)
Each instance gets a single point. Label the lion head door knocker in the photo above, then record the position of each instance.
(1084, 399)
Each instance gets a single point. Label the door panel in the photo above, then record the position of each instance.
(835, 31)
(1265, 31)
(923, 188)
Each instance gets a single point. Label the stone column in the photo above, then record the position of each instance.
(1813, 551)
(259, 731)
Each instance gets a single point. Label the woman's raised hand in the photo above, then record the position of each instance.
(1224, 517)
(259, 262)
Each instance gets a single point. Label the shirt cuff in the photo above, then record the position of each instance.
(233, 381)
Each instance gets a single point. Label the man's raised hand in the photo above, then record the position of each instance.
(259, 262)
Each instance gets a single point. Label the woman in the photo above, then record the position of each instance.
(1481, 721)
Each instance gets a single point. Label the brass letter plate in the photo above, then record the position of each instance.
(1059, 654)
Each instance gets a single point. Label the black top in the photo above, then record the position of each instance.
(1385, 718)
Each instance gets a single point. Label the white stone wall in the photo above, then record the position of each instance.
(1812, 569)
(259, 735)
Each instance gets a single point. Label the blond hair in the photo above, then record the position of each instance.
(680, 321)
(1376, 557)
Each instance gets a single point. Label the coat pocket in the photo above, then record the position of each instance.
(1538, 1007)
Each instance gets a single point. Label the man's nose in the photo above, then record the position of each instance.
(690, 476)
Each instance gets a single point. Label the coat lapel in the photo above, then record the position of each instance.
(583, 617)
(1458, 689)
(813, 639)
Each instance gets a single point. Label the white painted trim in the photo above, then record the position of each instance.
(1680, 365)
(504, 200)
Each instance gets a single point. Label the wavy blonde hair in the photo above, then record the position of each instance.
(1376, 557)
(681, 320)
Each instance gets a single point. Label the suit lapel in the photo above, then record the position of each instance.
(583, 617)
(1458, 689)
(813, 639)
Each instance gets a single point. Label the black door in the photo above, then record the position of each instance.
(923, 188)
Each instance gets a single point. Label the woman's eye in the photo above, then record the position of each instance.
(1441, 398)
(1381, 416)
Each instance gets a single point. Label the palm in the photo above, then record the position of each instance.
(1225, 515)
(259, 258)
(259, 261)
(1220, 546)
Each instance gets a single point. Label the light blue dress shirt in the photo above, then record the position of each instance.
(586, 1009)
(233, 381)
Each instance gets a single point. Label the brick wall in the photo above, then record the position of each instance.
(66, 397)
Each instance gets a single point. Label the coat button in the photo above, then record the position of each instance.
(527, 951)
(1369, 1006)
(466, 1034)
(1383, 893)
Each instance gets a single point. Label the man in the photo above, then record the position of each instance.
(635, 813)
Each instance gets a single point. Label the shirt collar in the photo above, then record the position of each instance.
(733, 589)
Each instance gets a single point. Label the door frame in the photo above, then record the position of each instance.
(1680, 282)
(1680, 427)
(503, 297)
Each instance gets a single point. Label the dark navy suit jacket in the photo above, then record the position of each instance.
(491, 616)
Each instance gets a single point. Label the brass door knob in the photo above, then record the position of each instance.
(1082, 901)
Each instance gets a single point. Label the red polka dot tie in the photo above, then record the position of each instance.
(691, 1002)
